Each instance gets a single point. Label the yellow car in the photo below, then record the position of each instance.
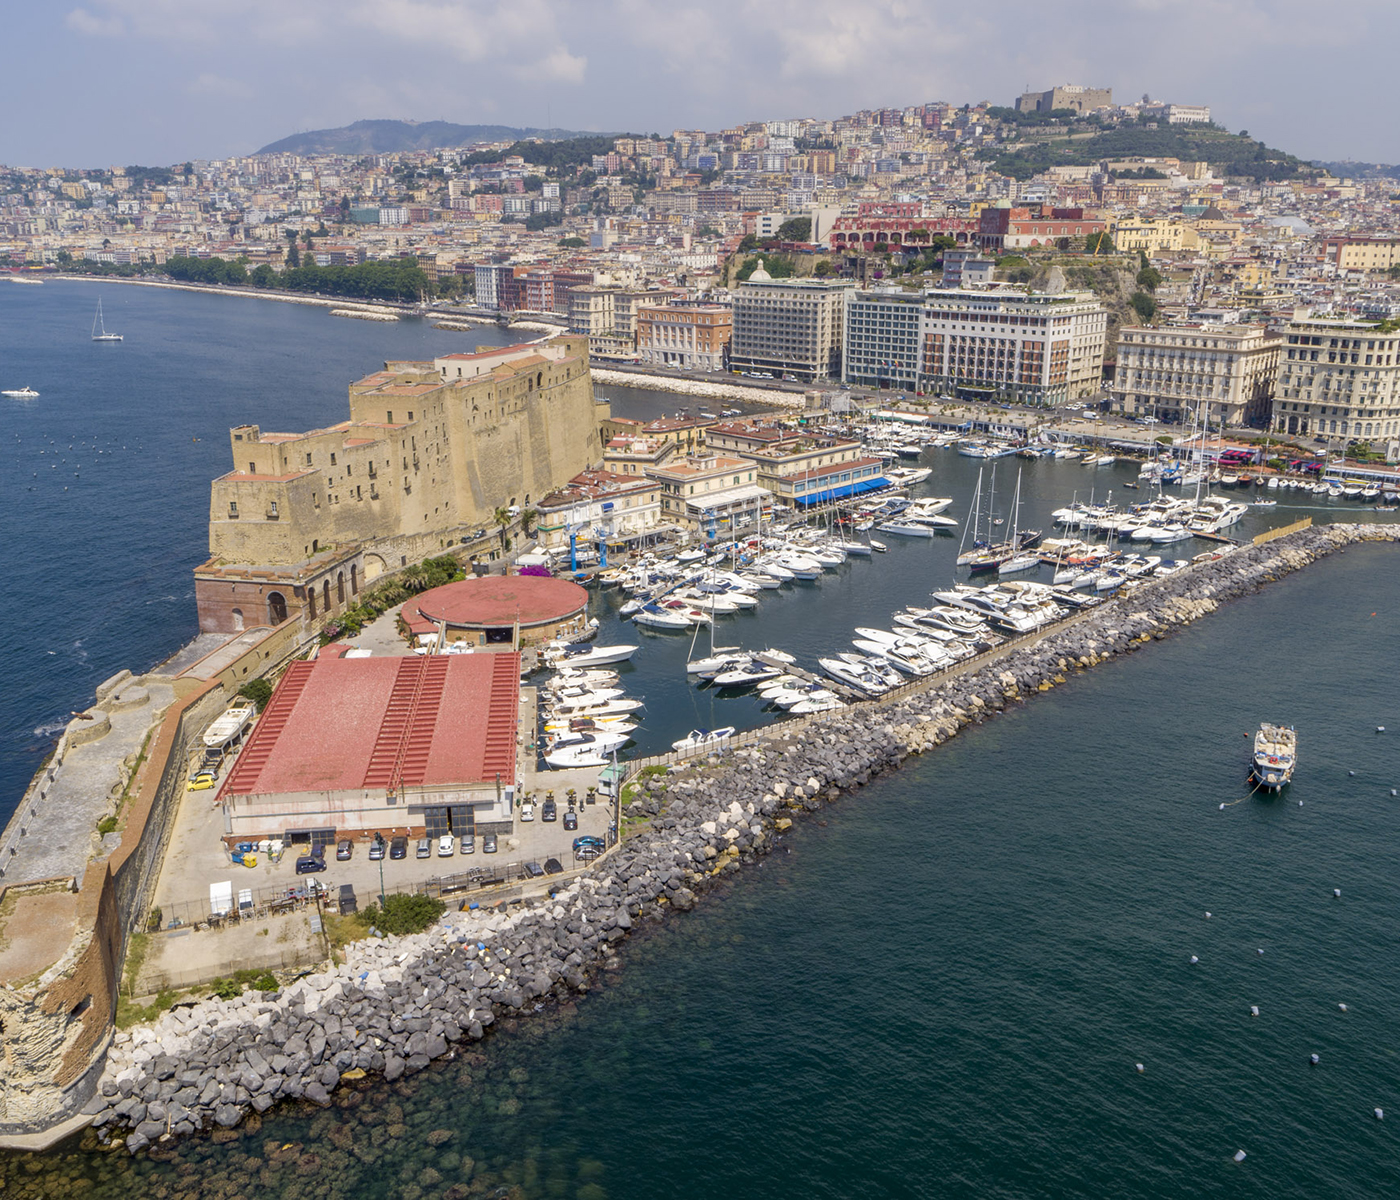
(202, 780)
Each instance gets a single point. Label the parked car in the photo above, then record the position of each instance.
(398, 848)
(468, 844)
(344, 850)
(202, 780)
(571, 819)
(527, 811)
(376, 848)
(488, 843)
(588, 841)
(533, 870)
(309, 864)
(548, 811)
(425, 848)
(552, 866)
(446, 846)
(348, 904)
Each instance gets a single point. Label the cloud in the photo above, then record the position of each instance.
(82, 21)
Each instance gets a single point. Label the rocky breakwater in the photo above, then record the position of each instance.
(701, 388)
(397, 1004)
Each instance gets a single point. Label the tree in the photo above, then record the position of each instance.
(572, 243)
(403, 914)
(1143, 304)
(502, 518)
(293, 254)
(795, 229)
(1148, 278)
(707, 231)
(823, 269)
(747, 243)
(1099, 243)
(259, 691)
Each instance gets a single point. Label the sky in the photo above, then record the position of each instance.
(152, 82)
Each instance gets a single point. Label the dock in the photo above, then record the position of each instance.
(847, 694)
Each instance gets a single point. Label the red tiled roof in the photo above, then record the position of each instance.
(344, 724)
(496, 600)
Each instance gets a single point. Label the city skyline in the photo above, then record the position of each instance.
(149, 81)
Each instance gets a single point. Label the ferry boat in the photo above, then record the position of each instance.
(1275, 755)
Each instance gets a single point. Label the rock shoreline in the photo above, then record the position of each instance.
(704, 389)
(398, 1004)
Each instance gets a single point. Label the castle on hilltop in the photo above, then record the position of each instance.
(431, 451)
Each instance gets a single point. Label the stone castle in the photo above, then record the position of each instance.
(431, 451)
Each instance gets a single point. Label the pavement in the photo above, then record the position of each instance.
(381, 636)
(59, 841)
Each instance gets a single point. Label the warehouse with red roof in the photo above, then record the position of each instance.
(347, 746)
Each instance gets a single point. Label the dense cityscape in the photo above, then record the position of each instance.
(457, 641)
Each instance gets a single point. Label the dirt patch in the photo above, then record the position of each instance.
(35, 929)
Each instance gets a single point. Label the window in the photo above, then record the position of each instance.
(332, 458)
(233, 508)
(388, 420)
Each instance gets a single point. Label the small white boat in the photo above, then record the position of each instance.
(704, 739)
(1023, 562)
(577, 756)
(24, 393)
(1265, 504)
(907, 529)
(878, 547)
(229, 727)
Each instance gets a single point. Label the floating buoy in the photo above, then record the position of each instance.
(1392, 791)
(1351, 772)
(1253, 1010)
(1380, 728)
(1140, 1068)
(1343, 1007)
(1337, 892)
(1261, 950)
(1207, 916)
(1380, 1113)
(1313, 1058)
(1194, 960)
(1239, 1156)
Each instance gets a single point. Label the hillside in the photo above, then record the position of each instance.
(1230, 154)
(390, 137)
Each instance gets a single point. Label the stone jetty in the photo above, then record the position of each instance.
(701, 388)
(397, 1004)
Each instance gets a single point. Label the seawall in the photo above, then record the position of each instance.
(395, 1005)
(700, 388)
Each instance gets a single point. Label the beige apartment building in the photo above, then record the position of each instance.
(788, 326)
(1339, 379)
(1363, 253)
(694, 337)
(607, 316)
(1042, 348)
(712, 494)
(1224, 372)
(621, 509)
(798, 468)
(1152, 235)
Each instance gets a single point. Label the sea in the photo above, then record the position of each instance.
(971, 978)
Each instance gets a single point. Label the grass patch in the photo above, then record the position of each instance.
(130, 1013)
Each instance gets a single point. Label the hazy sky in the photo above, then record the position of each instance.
(157, 81)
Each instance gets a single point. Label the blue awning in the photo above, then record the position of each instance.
(858, 488)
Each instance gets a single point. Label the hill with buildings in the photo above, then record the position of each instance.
(395, 137)
(1229, 155)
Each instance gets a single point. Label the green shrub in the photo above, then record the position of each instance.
(259, 691)
(107, 825)
(403, 913)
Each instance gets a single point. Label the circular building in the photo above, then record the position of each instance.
(489, 609)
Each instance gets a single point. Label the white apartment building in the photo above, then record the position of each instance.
(789, 326)
(883, 339)
(1226, 373)
(1041, 348)
(1340, 380)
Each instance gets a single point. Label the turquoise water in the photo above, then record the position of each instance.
(940, 985)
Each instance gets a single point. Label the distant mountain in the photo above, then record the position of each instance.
(390, 137)
(1359, 169)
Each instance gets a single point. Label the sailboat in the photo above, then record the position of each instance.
(1018, 561)
(99, 330)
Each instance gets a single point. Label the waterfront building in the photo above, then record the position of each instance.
(618, 507)
(1340, 379)
(633, 453)
(883, 339)
(1225, 372)
(710, 493)
(431, 450)
(408, 744)
(694, 337)
(1038, 348)
(788, 326)
(607, 316)
(800, 469)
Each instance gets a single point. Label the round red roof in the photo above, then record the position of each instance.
(498, 600)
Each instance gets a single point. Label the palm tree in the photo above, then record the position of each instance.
(502, 518)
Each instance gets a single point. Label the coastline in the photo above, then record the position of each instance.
(408, 1000)
(248, 293)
